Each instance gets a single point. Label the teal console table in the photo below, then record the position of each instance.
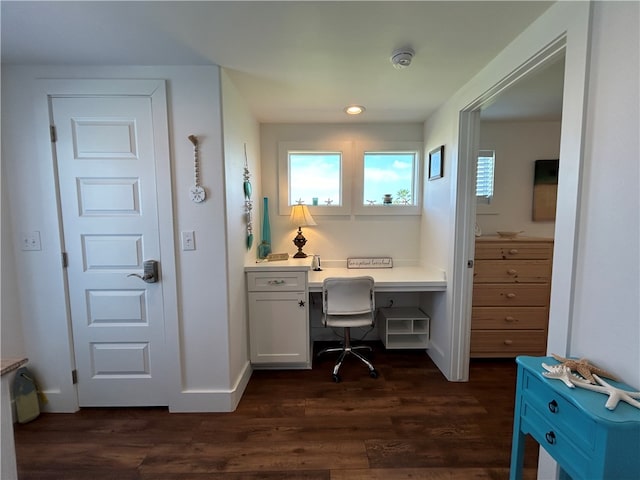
(588, 441)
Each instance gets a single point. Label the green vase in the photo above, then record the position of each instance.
(264, 248)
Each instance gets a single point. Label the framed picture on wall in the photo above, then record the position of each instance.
(436, 159)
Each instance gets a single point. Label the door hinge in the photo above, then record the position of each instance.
(469, 263)
(74, 376)
(65, 260)
(53, 133)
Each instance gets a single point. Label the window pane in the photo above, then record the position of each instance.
(485, 174)
(389, 178)
(316, 176)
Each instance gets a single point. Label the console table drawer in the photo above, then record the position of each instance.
(496, 343)
(276, 281)
(556, 442)
(501, 318)
(555, 409)
(489, 294)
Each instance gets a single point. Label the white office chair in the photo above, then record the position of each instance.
(348, 302)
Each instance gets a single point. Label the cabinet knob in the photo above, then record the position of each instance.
(508, 342)
(511, 295)
(276, 282)
(512, 271)
(513, 251)
(553, 406)
(551, 437)
(509, 319)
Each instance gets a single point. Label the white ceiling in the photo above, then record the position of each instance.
(298, 61)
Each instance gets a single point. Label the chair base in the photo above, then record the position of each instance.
(346, 350)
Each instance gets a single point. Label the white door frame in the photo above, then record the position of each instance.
(156, 91)
(575, 48)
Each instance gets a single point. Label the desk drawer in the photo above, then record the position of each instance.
(513, 250)
(276, 281)
(490, 294)
(501, 318)
(512, 271)
(507, 343)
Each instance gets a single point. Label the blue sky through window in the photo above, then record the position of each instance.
(315, 175)
(389, 173)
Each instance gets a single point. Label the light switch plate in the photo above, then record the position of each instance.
(188, 240)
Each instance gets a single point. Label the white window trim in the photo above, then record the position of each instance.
(316, 146)
(358, 180)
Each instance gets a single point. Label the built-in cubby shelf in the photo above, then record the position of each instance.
(403, 327)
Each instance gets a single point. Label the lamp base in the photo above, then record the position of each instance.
(299, 241)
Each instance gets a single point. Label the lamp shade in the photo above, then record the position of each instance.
(300, 216)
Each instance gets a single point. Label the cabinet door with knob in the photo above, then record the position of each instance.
(511, 289)
(278, 320)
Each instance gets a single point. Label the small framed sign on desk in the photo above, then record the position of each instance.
(370, 262)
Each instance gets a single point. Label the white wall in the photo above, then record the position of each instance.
(517, 146)
(339, 237)
(11, 326)
(447, 228)
(205, 382)
(240, 129)
(606, 321)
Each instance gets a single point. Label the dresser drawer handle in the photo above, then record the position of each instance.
(509, 319)
(276, 282)
(513, 251)
(511, 295)
(512, 271)
(551, 437)
(553, 406)
(508, 342)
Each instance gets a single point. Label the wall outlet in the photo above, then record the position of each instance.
(30, 240)
(188, 240)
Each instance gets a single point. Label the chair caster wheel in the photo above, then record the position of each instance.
(373, 374)
(336, 378)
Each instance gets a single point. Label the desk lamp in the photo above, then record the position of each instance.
(300, 217)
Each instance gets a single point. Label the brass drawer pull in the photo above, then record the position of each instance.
(513, 251)
(508, 342)
(511, 295)
(553, 406)
(509, 319)
(511, 271)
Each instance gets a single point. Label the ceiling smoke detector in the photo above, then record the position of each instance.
(402, 57)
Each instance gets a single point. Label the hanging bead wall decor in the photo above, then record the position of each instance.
(196, 192)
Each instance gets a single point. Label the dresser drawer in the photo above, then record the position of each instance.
(501, 318)
(556, 410)
(507, 343)
(512, 271)
(276, 281)
(513, 250)
(490, 294)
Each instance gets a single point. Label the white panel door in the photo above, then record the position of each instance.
(106, 174)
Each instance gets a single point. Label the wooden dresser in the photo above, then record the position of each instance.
(511, 289)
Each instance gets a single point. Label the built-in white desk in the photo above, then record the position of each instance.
(278, 298)
(395, 279)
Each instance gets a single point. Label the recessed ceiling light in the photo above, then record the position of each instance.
(354, 109)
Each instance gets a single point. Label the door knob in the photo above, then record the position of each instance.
(150, 272)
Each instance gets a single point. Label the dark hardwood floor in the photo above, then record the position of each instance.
(410, 423)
